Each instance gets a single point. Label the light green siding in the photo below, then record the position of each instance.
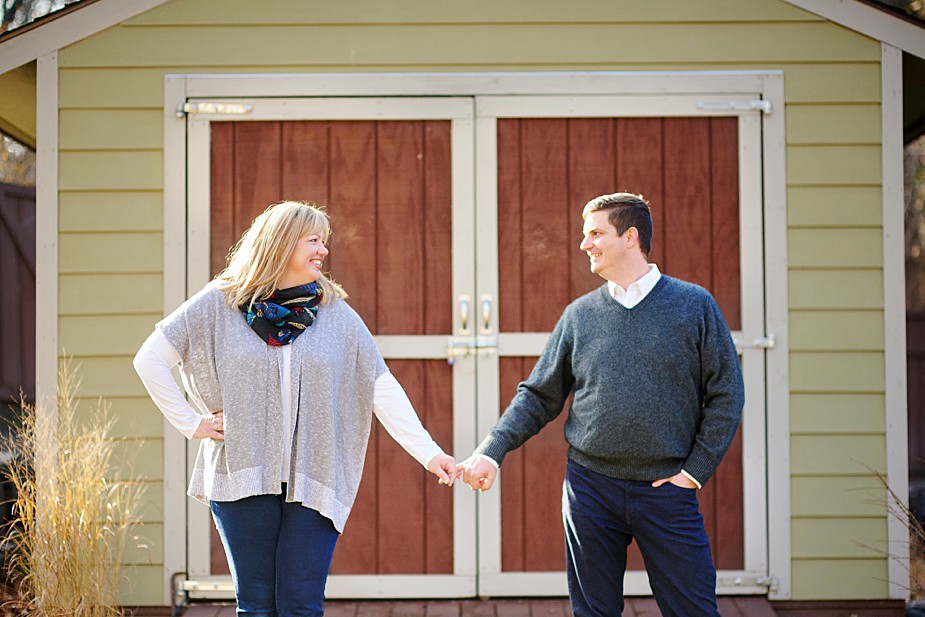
(846, 331)
(819, 539)
(111, 212)
(86, 253)
(828, 413)
(824, 579)
(111, 178)
(819, 206)
(77, 293)
(835, 247)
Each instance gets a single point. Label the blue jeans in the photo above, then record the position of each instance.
(602, 515)
(279, 554)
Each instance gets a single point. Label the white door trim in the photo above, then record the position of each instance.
(767, 84)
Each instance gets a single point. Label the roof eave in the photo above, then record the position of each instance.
(24, 45)
(861, 17)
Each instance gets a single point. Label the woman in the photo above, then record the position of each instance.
(287, 376)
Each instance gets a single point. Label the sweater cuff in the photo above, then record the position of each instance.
(487, 458)
(699, 466)
(490, 449)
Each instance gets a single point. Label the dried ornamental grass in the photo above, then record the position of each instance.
(73, 521)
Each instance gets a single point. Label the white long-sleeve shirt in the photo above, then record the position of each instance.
(157, 357)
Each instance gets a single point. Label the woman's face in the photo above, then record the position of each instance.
(304, 265)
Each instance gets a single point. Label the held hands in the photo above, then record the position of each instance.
(211, 427)
(477, 472)
(444, 467)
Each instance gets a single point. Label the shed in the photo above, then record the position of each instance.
(454, 144)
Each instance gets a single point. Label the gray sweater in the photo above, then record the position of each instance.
(227, 366)
(657, 387)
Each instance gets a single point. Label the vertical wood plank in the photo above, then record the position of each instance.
(352, 207)
(437, 239)
(9, 320)
(26, 207)
(591, 172)
(400, 227)
(510, 303)
(222, 230)
(728, 533)
(257, 171)
(11, 267)
(352, 262)
(707, 500)
(357, 548)
(544, 205)
(437, 416)
(437, 412)
(305, 158)
(640, 155)
(724, 163)
(513, 518)
(688, 224)
(544, 471)
(510, 227)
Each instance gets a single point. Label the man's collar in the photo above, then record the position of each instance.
(646, 282)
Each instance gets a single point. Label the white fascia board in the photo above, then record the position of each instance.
(68, 29)
(869, 21)
(894, 316)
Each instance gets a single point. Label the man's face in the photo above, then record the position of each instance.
(604, 247)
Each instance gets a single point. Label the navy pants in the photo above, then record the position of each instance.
(279, 554)
(602, 515)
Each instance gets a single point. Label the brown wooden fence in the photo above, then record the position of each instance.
(17, 286)
(915, 384)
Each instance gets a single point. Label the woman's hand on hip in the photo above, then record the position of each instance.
(444, 467)
(211, 427)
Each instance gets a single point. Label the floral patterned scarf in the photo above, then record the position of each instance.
(285, 315)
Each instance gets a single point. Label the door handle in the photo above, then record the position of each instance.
(486, 313)
(464, 314)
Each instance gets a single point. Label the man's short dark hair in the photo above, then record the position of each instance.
(626, 210)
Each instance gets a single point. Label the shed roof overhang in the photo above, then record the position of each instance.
(17, 105)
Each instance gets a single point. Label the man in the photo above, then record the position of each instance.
(658, 396)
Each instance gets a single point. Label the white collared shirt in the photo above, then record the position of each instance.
(638, 290)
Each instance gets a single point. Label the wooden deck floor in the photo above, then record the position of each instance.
(635, 607)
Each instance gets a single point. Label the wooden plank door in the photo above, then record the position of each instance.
(547, 169)
(388, 186)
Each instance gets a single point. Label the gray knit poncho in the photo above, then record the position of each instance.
(228, 367)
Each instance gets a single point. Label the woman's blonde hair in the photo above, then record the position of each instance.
(257, 262)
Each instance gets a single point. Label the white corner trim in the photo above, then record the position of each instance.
(869, 21)
(68, 29)
(894, 312)
(777, 363)
(174, 288)
(46, 232)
